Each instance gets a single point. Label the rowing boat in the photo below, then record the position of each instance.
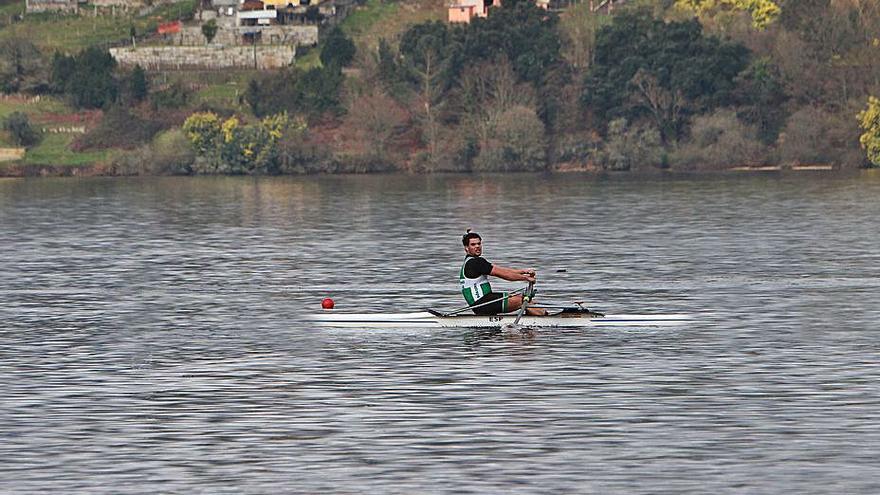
(568, 317)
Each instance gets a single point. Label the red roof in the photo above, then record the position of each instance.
(169, 27)
(251, 5)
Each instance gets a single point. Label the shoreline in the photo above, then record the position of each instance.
(11, 171)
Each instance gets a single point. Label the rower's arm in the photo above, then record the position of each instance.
(513, 274)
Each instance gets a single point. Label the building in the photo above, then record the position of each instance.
(465, 10)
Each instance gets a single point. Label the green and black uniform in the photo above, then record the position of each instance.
(476, 289)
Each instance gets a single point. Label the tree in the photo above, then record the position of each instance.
(718, 140)
(338, 49)
(429, 64)
(19, 128)
(313, 14)
(253, 95)
(175, 95)
(319, 88)
(312, 92)
(763, 12)
(22, 67)
(517, 143)
(760, 99)
(63, 67)
(375, 118)
(209, 30)
(521, 31)
(629, 147)
(578, 28)
(429, 48)
(387, 67)
(487, 92)
(647, 67)
(86, 77)
(816, 135)
(837, 47)
(138, 84)
(869, 121)
(664, 105)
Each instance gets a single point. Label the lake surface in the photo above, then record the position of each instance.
(152, 337)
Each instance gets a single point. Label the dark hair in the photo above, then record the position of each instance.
(466, 239)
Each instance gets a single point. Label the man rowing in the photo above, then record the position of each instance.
(474, 278)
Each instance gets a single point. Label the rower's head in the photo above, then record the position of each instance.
(473, 243)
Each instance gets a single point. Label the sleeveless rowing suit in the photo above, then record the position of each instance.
(476, 289)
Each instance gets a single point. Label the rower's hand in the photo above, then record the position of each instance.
(530, 274)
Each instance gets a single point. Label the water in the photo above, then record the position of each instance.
(152, 338)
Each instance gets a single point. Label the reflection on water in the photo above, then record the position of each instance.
(153, 340)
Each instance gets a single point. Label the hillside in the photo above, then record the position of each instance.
(643, 86)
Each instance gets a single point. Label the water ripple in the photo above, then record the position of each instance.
(153, 340)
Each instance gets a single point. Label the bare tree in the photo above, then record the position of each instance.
(488, 91)
(666, 106)
(428, 101)
(375, 119)
(578, 29)
(517, 143)
(22, 66)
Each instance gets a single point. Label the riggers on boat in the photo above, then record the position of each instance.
(562, 317)
(557, 316)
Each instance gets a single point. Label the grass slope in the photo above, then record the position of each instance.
(51, 32)
(70, 33)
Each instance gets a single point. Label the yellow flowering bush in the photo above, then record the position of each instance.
(274, 125)
(203, 131)
(763, 12)
(228, 128)
(231, 147)
(869, 121)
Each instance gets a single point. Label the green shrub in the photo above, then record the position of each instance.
(170, 153)
(718, 141)
(232, 147)
(338, 49)
(629, 147)
(19, 128)
(176, 95)
(816, 136)
(869, 121)
(87, 78)
(209, 30)
(138, 85)
(22, 67)
(517, 144)
(577, 148)
(118, 129)
(311, 92)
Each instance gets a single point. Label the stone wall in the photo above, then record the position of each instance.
(128, 4)
(205, 57)
(70, 6)
(232, 35)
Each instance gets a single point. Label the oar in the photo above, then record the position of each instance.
(527, 296)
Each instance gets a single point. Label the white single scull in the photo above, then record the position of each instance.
(573, 317)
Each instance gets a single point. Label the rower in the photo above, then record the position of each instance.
(475, 282)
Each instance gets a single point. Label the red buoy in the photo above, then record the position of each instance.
(327, 303)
